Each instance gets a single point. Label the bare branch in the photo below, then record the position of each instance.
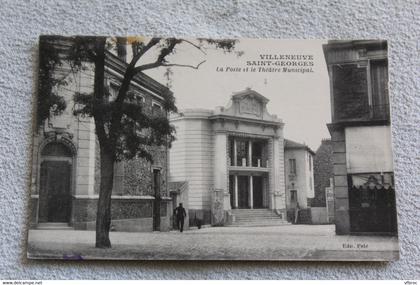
(168, 50)
(147, 66)
(161, 58)
(196, 46)
(184, 65)
(150, 44)
(131, 70)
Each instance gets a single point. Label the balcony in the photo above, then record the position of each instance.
(248, 154)
(248, 169)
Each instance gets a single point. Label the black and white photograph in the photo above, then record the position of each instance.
(149, 148)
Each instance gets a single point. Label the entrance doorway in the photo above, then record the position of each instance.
(55, 198)
(243, 192)
(240, 194)
(257, 192)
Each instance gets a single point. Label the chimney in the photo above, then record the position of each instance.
(122, 48)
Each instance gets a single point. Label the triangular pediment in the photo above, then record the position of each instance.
(249, 93)
(247, 104)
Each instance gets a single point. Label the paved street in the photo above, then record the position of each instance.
(296, 242)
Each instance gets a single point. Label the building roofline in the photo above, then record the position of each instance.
(249, 91)
(371, 43)
(296, 145)
(191, 114)
(113, 62)
(248, 120)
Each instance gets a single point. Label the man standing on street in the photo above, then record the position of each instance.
(180, 216)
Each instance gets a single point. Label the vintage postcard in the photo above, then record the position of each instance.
(212, 149)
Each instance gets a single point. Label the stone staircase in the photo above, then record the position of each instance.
(54, 226)
(256, 218)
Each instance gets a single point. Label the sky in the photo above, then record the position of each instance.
(302, 101)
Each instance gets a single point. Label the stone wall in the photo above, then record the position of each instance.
(319, 215)
(84, 212)
(203, 215)
(137, 174)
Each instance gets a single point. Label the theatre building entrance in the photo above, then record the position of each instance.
(248, 191)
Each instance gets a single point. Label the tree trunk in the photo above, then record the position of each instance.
(103, 214)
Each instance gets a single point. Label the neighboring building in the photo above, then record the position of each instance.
(66, 164)
(322, 205)
(364, 190)
(233, 161)
(323, 172)
(299, 176)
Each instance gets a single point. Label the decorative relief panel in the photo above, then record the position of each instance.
(217, 210)
(250, 105)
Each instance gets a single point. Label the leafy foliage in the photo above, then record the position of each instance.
(49, 102)
(126, 128)
(226, 45)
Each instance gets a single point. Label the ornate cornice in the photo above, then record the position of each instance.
(59, 136)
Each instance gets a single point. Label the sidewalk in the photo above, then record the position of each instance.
(294, 242)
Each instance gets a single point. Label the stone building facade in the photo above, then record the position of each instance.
(299, 177)
(66, 163)
(233, 160)
(364, 191)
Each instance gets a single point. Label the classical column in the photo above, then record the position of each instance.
(340, 184)
(249, 153)
(92, 159)
(251, 192)
(278, 191)
(220, 167)
(235, 199)
(235, 154)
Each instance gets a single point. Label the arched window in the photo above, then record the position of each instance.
(56, 149)
(55, 182)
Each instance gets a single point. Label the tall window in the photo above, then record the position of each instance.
(257, 150)
(361, 91)
(293, 196)
(231, 151)
(242, 152)
(292, 166)
(156, 109)
(140, 99)
(310, 162)
(350, 89)
(379, 83)
(113, 91)
(232, 190)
